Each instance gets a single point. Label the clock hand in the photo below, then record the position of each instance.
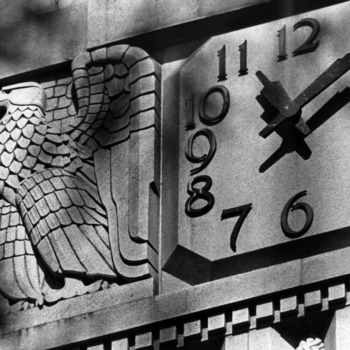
(333, 73)
(275, 93)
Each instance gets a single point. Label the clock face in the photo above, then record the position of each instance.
(238, 178)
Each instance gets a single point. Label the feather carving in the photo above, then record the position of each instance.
(71, 194)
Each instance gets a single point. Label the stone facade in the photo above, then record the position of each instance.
(174, 175)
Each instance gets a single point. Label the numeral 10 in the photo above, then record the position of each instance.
(243, 69)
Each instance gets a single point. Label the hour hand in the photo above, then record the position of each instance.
(275, 93)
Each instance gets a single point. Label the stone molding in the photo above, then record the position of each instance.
(201, 313)
(193, 328)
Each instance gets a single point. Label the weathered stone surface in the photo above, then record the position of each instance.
(337, 294)
(51, 25)
(268, 339)
(240, 318)
(313, 299)
(264, 312)
(147, 16)
(122, 344)
(192, 330)
(96, 347)
(289, 305)
(236, 342)
(337, 336)
(144, 341)
(168, 336)
(217, 324)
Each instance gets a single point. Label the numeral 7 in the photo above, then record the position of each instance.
(241, 211)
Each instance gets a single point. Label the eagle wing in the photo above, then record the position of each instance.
(117, 98)
(21, 276)
(66, 223)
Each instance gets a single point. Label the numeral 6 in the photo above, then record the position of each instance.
(291, 207)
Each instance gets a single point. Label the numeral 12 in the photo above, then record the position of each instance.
(308, 46)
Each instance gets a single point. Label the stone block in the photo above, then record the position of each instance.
(264, 312)
(289, 306)
(337, 294)
(240, 318)
(60, 90)
(168, 336)
(121, 344)
(216, 324)
(313, 300)
(51, 104)
(144, 341)
(59, 114)
(192, 330)
(96, 347)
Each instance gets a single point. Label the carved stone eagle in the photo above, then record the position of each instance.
(75, 200)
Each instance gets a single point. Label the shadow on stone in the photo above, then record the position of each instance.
(314, 325)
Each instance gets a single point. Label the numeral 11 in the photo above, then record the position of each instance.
(222, 64)
(222, 61)
(190, 114)
(243, 66)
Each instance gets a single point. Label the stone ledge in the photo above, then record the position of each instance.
(32, 327)
(55, 35)
(76, 307)
(153, 25)
(121, 19)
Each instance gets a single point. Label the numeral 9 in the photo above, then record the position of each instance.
(204, 159)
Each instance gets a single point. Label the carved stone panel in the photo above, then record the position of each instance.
(79, 178)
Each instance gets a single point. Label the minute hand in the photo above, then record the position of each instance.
(328, 77)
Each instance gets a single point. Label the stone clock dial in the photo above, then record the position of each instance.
(264, 138)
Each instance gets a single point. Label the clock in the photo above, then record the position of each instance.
(263, 158)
